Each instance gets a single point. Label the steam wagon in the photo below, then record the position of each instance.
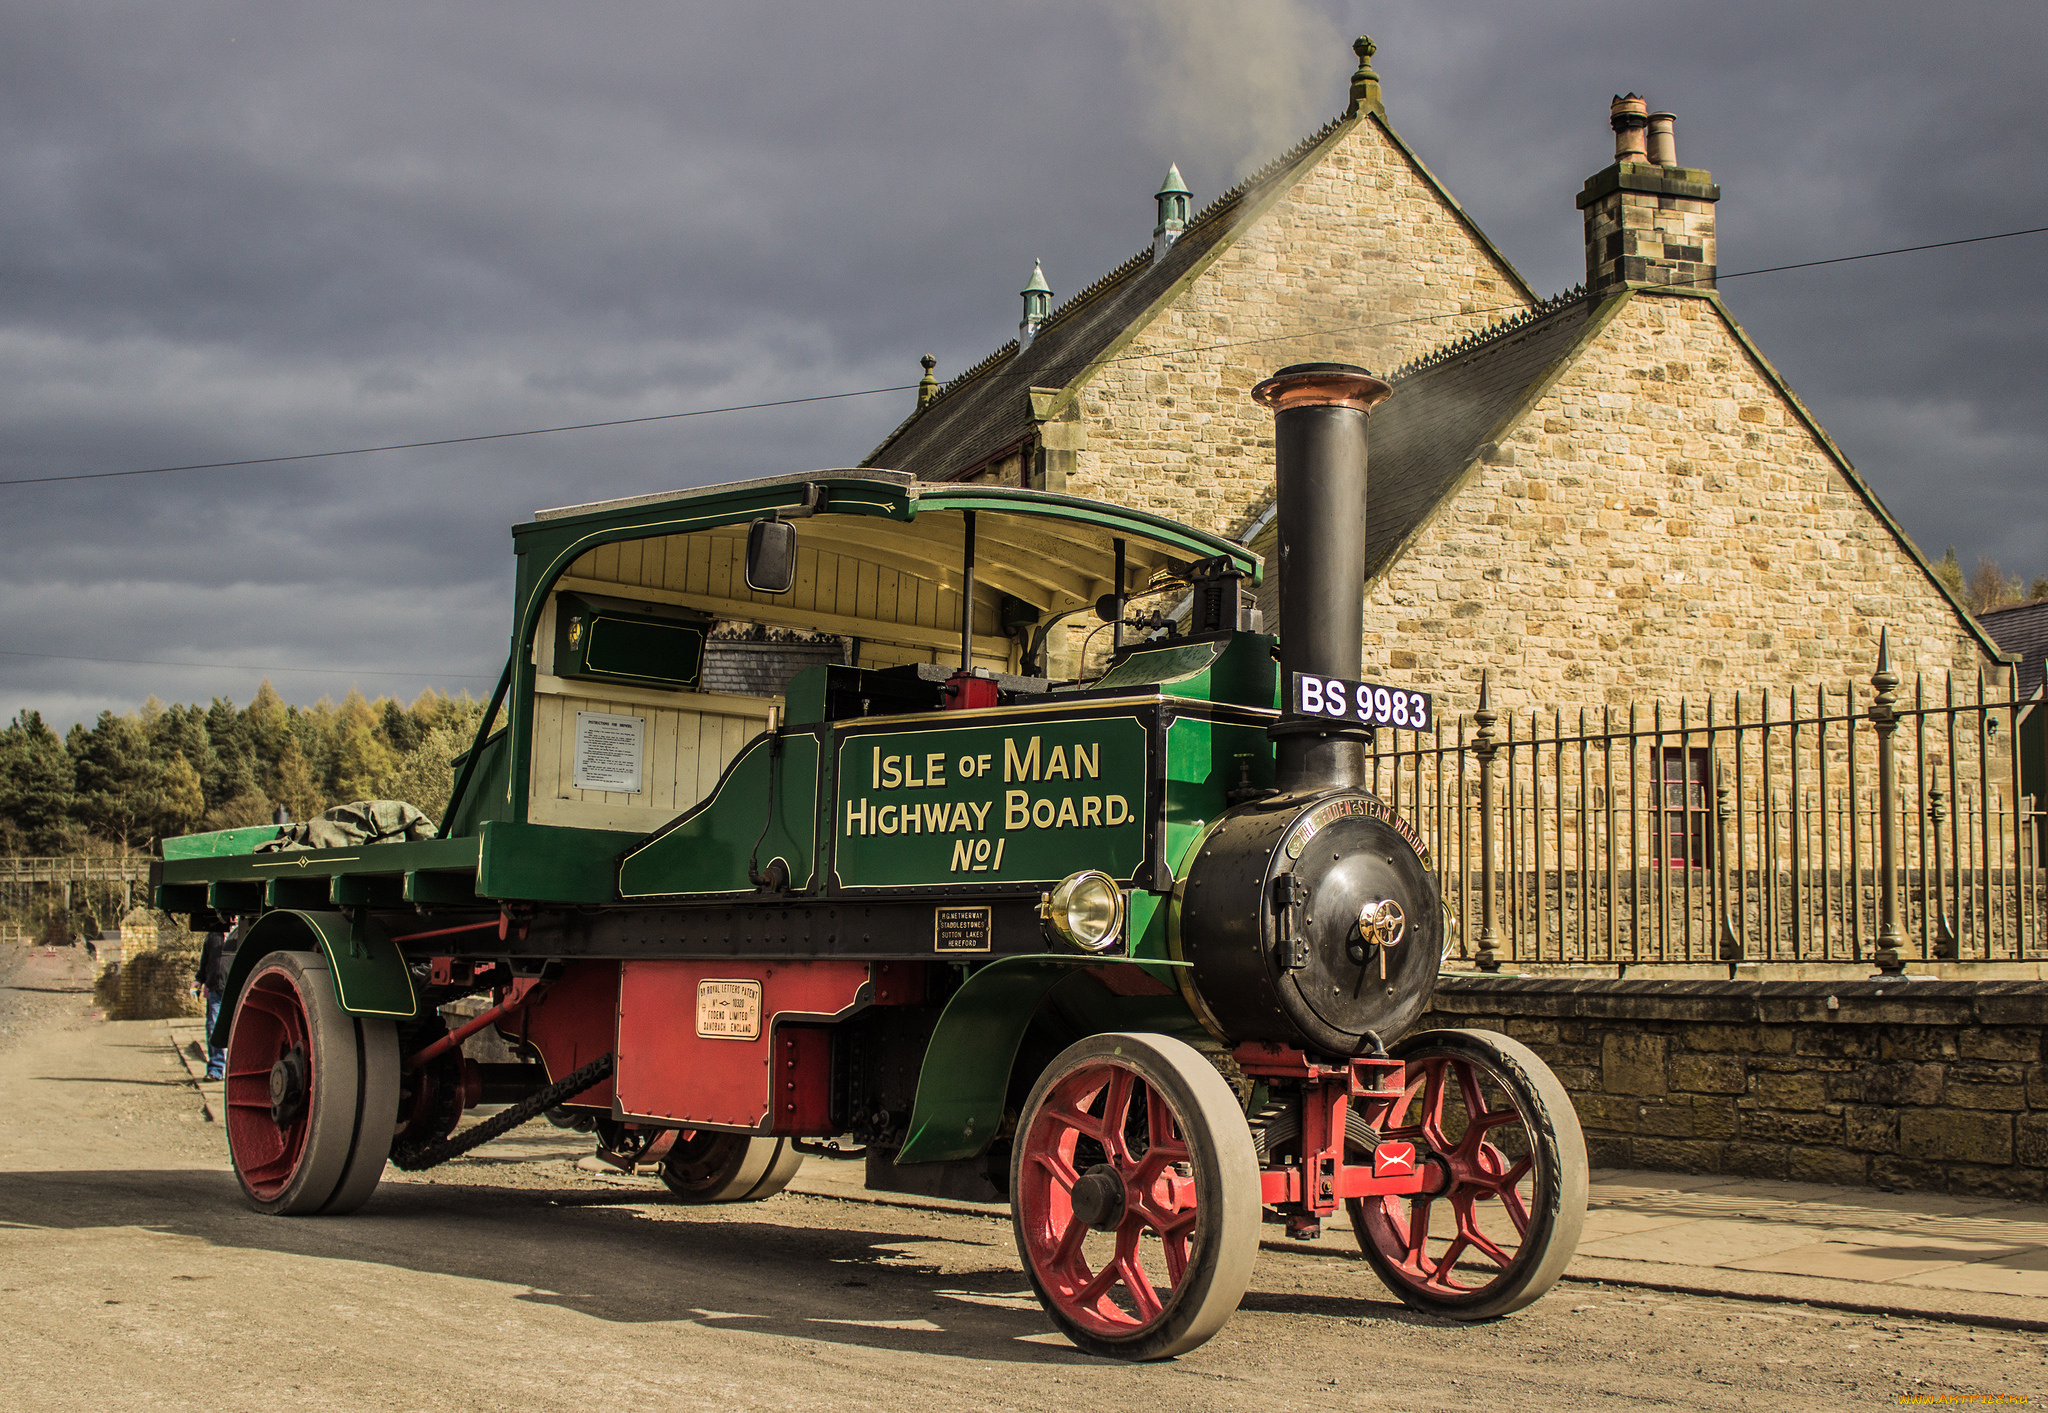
(1135, 951)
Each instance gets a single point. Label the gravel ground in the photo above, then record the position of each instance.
(38, 991)
(131, 1277)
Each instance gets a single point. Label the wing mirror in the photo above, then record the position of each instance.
(771, 556)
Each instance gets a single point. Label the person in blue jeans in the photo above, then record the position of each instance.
(212, 979)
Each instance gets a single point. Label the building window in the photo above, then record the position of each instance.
(1681, 806)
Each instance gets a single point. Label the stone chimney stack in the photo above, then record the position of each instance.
(1649, 221)
(1037, 306)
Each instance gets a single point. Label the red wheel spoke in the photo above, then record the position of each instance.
(1481, 1122)
(1135, 1280)
(1432, 1118)
(1492, 1251)
(1072, 1112)
(1415, 1239)
(1057, 1165)
(1098, 1286)
(1116, 1112)
(1469, 1091)
(1518, 1211)
(1447, 1263)
(1176, 1245)
(1067, 1254)
(1162, 1130)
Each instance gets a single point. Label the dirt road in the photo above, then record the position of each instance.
(131, 1278)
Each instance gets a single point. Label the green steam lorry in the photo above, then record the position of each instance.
(1136, 951)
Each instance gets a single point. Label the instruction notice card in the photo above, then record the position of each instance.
(608, 750)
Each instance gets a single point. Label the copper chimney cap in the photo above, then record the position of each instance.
(1321, 385)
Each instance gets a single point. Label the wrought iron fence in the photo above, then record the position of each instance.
(1754, 830)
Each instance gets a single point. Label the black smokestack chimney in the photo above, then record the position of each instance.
(1319, 413)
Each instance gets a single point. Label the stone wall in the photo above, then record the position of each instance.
(1363, 260)
(1661, 523)
(1930, 1085)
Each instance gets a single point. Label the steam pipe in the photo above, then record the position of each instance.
(1319, 450)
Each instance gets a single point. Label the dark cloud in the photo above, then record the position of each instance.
(230, 229)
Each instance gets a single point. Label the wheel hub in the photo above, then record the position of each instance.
(1098, 1198)
(288, 1086)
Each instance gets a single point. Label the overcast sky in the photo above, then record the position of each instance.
(235, 229)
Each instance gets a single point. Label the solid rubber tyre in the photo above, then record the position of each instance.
(1151, 1139)
(1520, 1169)
(324, 1148)
(705, 1166)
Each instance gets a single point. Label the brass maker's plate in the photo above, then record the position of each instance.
(729, 1010)
(962, 929)
(1319, 818)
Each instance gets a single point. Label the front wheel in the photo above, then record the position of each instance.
(312, 1092)
(1501, 1219)
(1134, 1191)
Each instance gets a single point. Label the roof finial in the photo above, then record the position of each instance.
(1037, 306)
(927, 386)
(1172, 196)
(1365, 84)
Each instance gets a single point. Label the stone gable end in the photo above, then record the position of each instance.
(1661, 523)
(1362, 238)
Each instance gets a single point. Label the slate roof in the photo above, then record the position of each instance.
(1445, 408)
(2022, 631)
(987, 410)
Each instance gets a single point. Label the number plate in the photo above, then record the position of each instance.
(1367, 703)
(729, 1010)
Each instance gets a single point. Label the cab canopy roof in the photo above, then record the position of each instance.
(1053, 552)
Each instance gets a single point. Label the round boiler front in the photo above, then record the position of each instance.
(1312, 922)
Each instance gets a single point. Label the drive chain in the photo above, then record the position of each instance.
(418, 1157)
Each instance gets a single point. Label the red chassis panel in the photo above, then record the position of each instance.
(570, 1022)
(703, 1042)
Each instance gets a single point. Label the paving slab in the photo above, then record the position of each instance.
(1707, 1242)
(1876, 1261)
(2024, 1274)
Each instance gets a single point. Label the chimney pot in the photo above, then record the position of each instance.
(1628, 115)
(1663, 145)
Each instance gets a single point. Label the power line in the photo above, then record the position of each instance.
(909, 387)
(1513, 308)
(245, 667)
(453, 441)
(1874, 254)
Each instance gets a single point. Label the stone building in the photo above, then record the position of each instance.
(1604, 496)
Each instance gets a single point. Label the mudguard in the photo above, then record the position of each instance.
(370, 974)
(966, 1072)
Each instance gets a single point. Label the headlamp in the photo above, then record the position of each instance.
(1086, 911)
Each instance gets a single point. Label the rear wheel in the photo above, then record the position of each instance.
(1501, 1220)
(728, 1167)
(312, 1092)
(1134, 1191)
